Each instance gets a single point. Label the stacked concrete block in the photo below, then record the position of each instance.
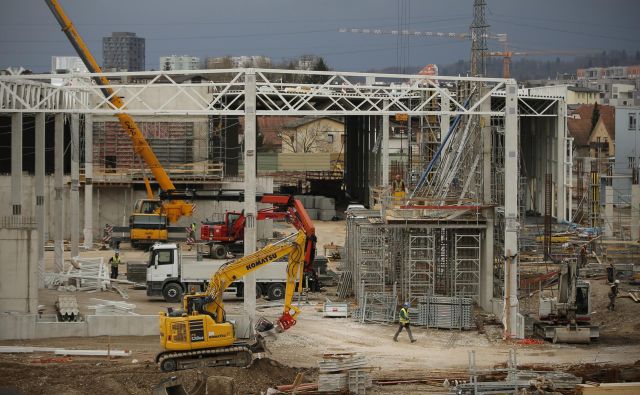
(318, 207)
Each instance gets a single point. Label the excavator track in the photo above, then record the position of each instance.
(236, 355)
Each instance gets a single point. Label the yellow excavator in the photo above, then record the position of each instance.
(148, 223)
(200, 335)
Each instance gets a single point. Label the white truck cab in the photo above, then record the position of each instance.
(170, 275)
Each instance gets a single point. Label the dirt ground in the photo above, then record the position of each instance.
(300, 348)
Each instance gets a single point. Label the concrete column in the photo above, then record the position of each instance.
(635, 212)
(74, 197)
(385, 146)
(561, 152)
(511, 208)
(486, 268)
(59, 188)
(39, 189)
(16, 163)
(88, 181)
(608, 211)
(250, 209)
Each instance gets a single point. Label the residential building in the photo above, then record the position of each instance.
(233, 62)
(589, 139)
(313, 134)
(602, 140)
(627, 156)
(572, 94)
(179, 62)
(123, 51)
(622, 95)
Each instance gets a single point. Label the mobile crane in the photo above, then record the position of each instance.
(148, 223)
(222, 236)
(200, 335)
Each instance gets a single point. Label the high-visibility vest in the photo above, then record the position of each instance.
(398, 185)
(404, 316)
(115, 261)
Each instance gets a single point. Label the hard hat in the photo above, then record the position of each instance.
(617, 281)
(407, 304)
(116, 251)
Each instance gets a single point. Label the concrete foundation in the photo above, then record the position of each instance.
(19, 268)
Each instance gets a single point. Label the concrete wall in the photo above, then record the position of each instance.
(19, 270)
(113, 205)
(26, 326)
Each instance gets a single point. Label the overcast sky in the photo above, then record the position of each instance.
(29, 35)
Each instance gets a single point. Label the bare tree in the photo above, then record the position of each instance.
(308, 139)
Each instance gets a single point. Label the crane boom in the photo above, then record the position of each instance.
(174, 209)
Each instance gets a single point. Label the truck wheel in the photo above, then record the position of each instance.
(218, 251)
(258, 291)
(275, 292)
(172, 292)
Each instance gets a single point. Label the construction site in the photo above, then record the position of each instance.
(150, 245)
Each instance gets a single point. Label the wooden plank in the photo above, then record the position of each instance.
(609, 389)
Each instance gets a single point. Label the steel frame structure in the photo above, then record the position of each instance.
(200, 92)
(263, 92)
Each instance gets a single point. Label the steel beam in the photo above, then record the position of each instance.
(511, 207)
(16, 164)
(59, 188)
(74, 196)
(41, 216)
(88, 181)
(250, 207)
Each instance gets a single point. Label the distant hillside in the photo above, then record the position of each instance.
(531, 68)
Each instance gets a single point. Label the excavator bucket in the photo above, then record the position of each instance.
(572, 335)
(264, 325)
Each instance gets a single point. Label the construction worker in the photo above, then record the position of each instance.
(399, 189)
(114, 261)
(404, 322)
(582, 262)
(613, 293)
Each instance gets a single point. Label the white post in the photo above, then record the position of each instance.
(561, 153)
(74, 197)
(88, 181)
(385, 146)
(39, 189)
(59, 187)
(511, 205)
(16, 163)
(486, 269)
(445, 119)
(608, 211)
(250, 209)
(635, 212)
